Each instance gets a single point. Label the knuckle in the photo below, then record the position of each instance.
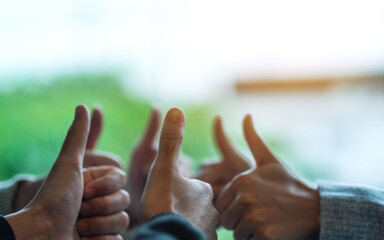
(241, 180)
(244, 199)
(206, 188)
(125, 220)
(254, 218)
(117, 172)
(118, 162)
(126, 198)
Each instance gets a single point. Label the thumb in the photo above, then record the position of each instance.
(152, 128)
(260, 151)
(96, 127)
(171, 138)
(222, 140)
(73, 149)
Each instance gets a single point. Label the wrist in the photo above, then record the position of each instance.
(28, 224)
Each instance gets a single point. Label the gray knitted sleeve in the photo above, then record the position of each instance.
(350, 212)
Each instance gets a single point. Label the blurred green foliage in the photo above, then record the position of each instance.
(35, 118)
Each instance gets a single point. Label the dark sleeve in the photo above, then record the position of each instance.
(6, 232)
(168, 226)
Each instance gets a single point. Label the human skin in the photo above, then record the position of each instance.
(103, 211)
(53, 212)
(218, 174)
(167, 191)
(268, 201)
(141, 160)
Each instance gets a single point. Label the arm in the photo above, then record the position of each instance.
(351, 212)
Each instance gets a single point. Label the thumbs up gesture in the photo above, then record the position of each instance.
(141, 160)
(268, 201)
(53, 212)
(232, 162)
(167, 191)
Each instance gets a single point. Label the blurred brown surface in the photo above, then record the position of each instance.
(305, 84)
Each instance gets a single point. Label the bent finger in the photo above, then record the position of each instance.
(101, 181)
(226, 197)
(231, 216)
(96, 158)
(111, 224)
(103, 206)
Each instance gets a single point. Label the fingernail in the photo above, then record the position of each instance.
(82, 226)
(89, 193)
(175, 114)
(85, 209)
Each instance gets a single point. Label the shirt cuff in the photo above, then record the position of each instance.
(8, 190)
(350, 211)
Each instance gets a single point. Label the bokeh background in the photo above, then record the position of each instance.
(310, 72)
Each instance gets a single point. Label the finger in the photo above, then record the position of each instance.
(73, 149)
(93, 158)
(221, 138)
(111, 224)
(103, 237)
(96, 127)
(231, 216)
(101, 181)
(260, 151)
(226, 197)
(243, 230)
(152, 128)
(171, 138)
(106, 205)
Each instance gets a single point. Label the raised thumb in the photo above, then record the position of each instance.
(152, 128)
(96, 127)
(171, 138)
(73, 149)
(222, 140)
(259, 149)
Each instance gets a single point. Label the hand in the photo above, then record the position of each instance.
(26, 190)
(268, 202)
(142, 158)
(52, 214)
(93, 157)
(232, 163)
(104, 203)
(167, 190)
